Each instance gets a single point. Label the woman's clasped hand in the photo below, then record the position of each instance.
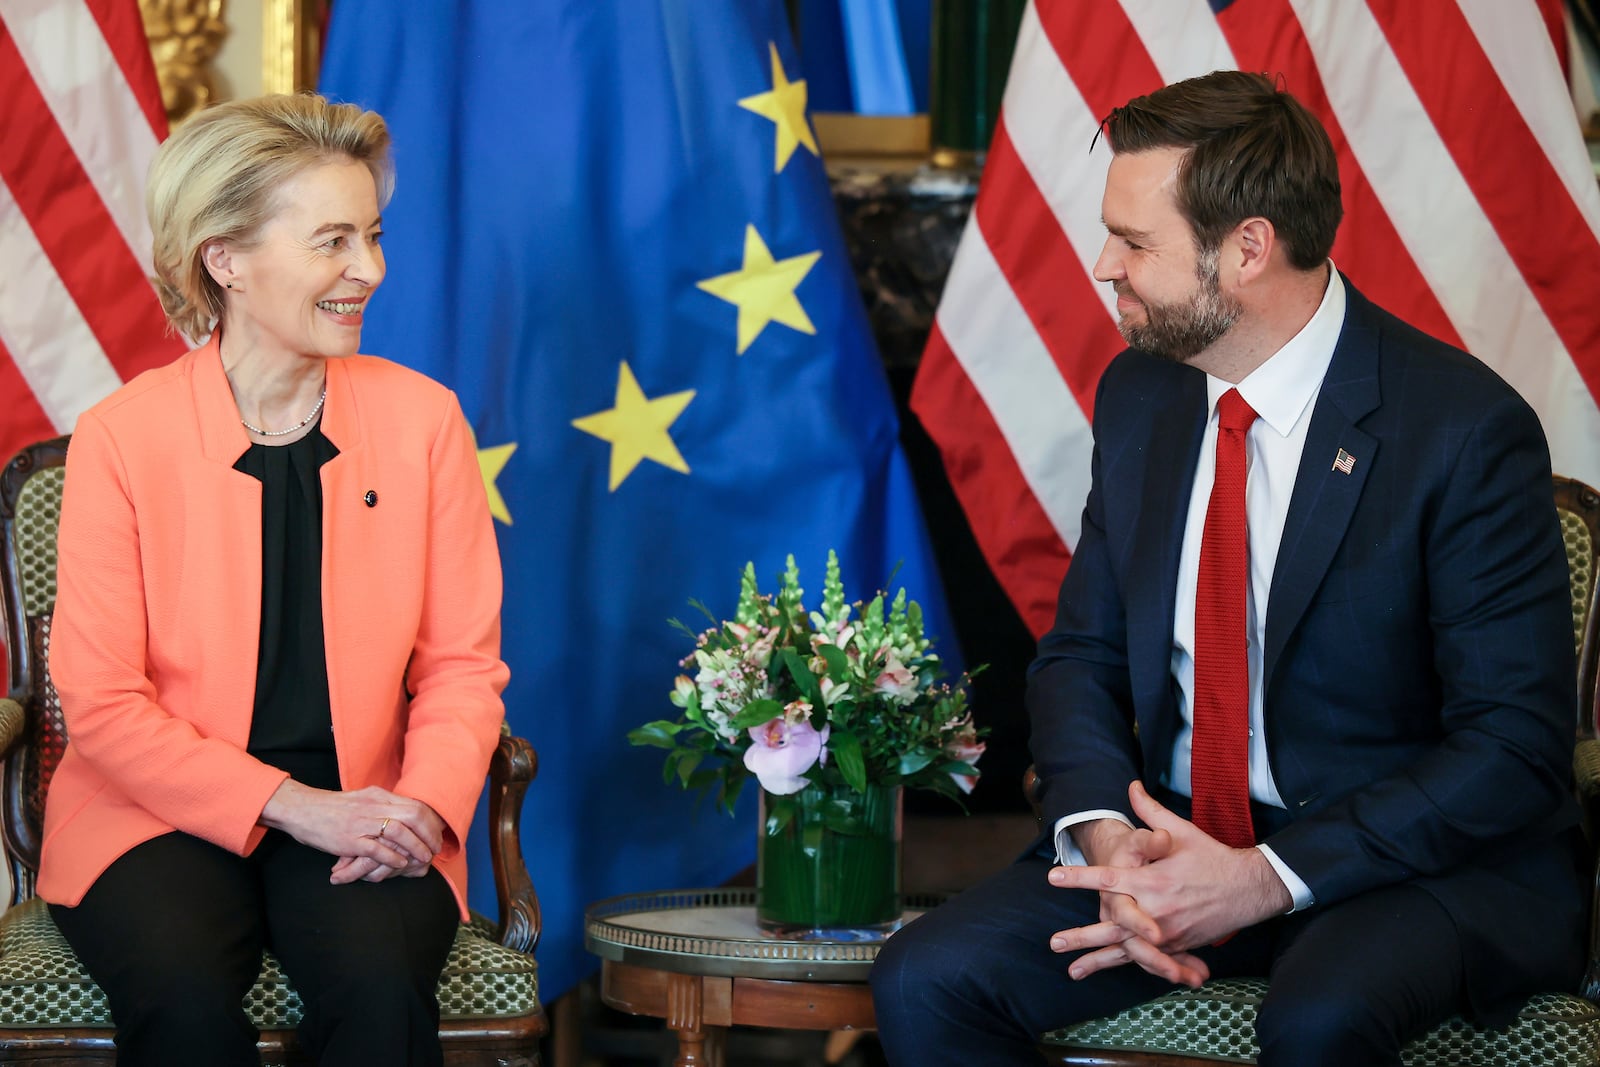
(375, 833)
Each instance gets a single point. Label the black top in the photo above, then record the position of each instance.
(292, 724)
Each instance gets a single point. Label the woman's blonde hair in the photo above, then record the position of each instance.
(215, 178)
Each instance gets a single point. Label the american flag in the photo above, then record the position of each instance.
(1471, 211)
(81, 118)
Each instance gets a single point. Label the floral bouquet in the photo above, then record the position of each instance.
(847, 695)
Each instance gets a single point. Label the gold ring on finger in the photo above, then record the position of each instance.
(384, 825)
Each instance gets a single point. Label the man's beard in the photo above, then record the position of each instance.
(1179, 331)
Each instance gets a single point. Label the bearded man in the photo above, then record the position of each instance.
(1305, 709)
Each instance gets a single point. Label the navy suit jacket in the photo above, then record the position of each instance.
(1419, 671)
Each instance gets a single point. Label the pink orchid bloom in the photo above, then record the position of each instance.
(782, 752)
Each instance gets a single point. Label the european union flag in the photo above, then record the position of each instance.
(613, 237)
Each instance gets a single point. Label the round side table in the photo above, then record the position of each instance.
(696, 958)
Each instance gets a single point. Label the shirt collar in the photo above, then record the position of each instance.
(1282, 388)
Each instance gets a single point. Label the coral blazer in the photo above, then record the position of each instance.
(158, 614)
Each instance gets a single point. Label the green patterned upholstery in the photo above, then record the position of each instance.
(1586, 769)
(48, 743)
(42, 983)
(1217, 1022)
(38, 515)
(1580, 566)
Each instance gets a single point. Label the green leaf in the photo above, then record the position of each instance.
(755, 713)
(731, 785)
(942, 785)
(658, 734)
(687, 762)
(804, 680)
(780, 813)
(711, 617)
(845, 748)
(683, 627)
(838, 661)
(700, 778)
(957, 767)
(913, 761)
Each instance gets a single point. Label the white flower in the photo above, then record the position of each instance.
(832, 691)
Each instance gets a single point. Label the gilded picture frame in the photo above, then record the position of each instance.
(291, 43)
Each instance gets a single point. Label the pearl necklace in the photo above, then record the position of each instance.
(302, 424)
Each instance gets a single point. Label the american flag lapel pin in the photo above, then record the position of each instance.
(1344, 462)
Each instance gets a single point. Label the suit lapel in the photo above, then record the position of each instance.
(1325, 497)
(223, 507)
(1178, 425)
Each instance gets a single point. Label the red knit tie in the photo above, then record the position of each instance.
(1220, 764)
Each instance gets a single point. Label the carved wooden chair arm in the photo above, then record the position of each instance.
(513, 765)
(12, 721)
(1030, 792)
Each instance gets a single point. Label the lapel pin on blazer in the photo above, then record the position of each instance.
(1344, 463)
(371, 499)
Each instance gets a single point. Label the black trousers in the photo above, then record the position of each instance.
(173, 932)
(974, 980)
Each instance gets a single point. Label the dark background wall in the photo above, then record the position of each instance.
(901, 226)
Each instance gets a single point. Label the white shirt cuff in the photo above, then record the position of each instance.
(1067, 852)
(1291, 881)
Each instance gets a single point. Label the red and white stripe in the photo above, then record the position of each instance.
(81, 120)
(1471, 211)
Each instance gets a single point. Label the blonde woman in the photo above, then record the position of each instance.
(277, 632)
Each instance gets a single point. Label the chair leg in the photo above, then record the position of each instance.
(840, 1042)
(566, 1031)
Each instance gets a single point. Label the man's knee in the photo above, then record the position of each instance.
(949, 973)
(918, 967)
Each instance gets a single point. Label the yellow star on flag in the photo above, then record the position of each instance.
(637, 427)
(763, 289)
(491, 461)
(785, 105)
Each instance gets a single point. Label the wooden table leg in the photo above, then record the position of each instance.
(840, 1042)
(686, 1017)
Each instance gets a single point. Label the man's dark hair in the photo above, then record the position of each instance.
(1252, 150)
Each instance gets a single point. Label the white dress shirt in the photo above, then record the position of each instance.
(1283, 392)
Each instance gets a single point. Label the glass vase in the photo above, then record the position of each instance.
(828, 862)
